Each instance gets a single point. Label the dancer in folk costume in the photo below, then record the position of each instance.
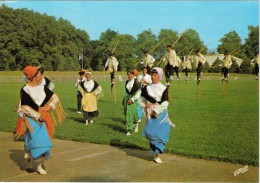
(171, 65)
(38, 119)
(154, 99)
(226, 64)
(132, 94)
(144, 79)
(186, 66)
(45, 82)
(89, 90)
(79, 96)
(200, 60)
(112, 66)
(148, 61)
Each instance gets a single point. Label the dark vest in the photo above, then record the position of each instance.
(95, 86)
(135, 88)
(27, 100)
(146, 95)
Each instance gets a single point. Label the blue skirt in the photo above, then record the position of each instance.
(37, 142)
(139, 112)
(157, 132)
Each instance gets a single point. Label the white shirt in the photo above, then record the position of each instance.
(145, 77)
(149, 60)
(113, 60)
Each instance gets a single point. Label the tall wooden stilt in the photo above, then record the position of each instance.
(179, 81)
(198, 84)
(169, 92)
(257, 85)
(114, 90)
(186, 90)
(200, 90)
(227, 88)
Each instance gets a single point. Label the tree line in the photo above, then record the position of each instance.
(31, 38)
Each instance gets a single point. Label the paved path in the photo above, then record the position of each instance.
(77, 161)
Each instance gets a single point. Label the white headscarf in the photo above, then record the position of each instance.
(159, 71)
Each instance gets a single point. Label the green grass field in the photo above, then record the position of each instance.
(216, 127)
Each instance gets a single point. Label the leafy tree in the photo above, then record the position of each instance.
(230, 42)
(27, 37)
(246, 66)
(251, 46)
(234, 67)
(145, 41)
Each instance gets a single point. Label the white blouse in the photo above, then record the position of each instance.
(156, 92)
(145, 77)
(89, 85)
(36, 93)
(130, 85)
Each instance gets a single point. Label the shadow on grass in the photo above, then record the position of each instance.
(17, 156)
(97, 178)
(115, 119)
(72, 109)
(131, 149)
(115, 127)
(77, 119)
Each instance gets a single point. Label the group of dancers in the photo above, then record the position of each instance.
(144, 94)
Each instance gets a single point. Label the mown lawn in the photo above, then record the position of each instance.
(217, 127)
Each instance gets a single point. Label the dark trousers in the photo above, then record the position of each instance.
(79, 97)
(169, 71)
(199, 70)
(224, 71)
(256, 69)
(148, 69)
(112, 75)
(186, 72)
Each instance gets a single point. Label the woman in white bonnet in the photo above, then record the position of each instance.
(89, 90)
(154, 100)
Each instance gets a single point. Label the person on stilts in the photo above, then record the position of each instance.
(186, 66)
(112, 66)
(171, 64)
(200, 61)
(148, 61)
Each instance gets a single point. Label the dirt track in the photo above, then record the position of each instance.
(77, 161)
